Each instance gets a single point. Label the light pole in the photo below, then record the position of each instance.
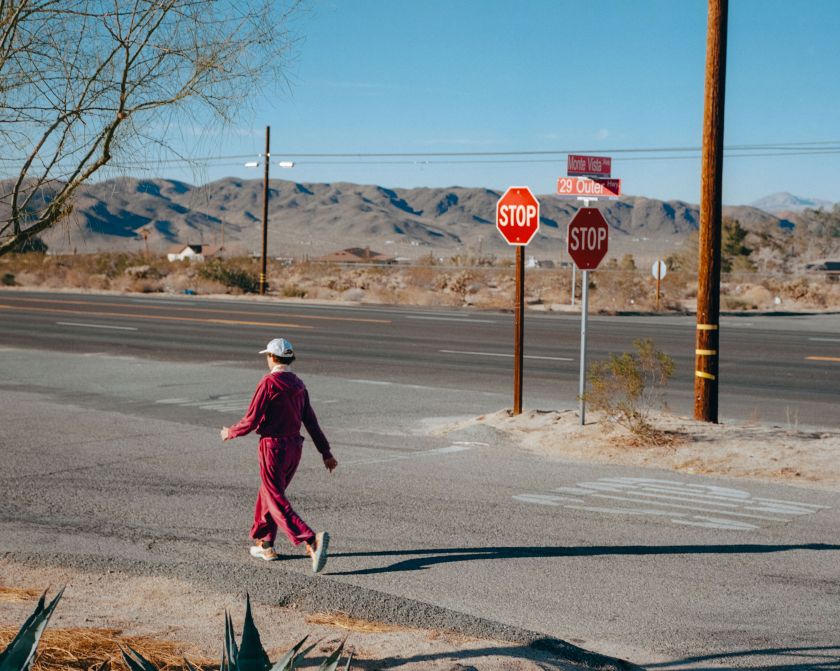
(266, 164)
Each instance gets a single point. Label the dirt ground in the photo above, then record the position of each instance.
(182, 620)
(732, 450)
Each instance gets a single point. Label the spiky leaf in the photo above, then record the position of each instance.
(135, 661)
(288, 661)
(331, 662)
(230, 652)
(299, 658)
(20, 653)
(252, 656)
(349, 659)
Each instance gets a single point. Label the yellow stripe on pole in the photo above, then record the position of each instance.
(707, 327)
(705, 352)
(705, 376)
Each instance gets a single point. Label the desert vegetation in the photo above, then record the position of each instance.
(619, 285)
(81, 649)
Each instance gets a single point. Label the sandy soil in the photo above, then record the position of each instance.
(745, 450)
(192, 619)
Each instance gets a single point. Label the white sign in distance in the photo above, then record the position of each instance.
(659, 269)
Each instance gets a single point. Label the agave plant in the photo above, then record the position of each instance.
(20, 653)
(249, 654)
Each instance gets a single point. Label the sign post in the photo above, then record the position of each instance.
(587, 240)
(518, 220)
(658, 270)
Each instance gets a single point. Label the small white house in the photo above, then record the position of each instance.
(190, 252)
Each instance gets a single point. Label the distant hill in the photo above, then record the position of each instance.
(783, 202)
(315, 219)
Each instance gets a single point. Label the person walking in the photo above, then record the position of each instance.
(279, 406)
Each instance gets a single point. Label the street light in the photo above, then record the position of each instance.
(266, 163)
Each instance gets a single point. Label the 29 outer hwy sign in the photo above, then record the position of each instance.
(518, 215)
(588, 238)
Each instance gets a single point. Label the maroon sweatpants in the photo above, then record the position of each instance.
(279, 459)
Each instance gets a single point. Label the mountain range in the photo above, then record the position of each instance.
(308, 220)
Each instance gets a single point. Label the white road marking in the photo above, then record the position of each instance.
(385, 383)
(411, 455)
(825, 339)
(507, 356)
(98, 326)
(230, 403)
(708, 506)
(454, 319)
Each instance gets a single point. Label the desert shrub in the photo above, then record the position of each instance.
(627, 387)
(230, 274)
(110, 265)
(292, 290)
(8, 279)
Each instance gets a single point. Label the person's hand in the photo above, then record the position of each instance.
(330, 464)
(225, 433)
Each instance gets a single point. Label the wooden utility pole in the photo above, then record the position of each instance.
(518, 330)
(708, 276)
(266, 162)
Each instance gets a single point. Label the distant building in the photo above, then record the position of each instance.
(830, 268)
(191, 252)
(356, 255)
(534, 262)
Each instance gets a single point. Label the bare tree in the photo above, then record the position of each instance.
(83, 82)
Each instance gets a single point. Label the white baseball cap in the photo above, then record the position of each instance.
(279, 347)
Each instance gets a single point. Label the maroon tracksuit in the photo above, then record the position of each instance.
(279, 406)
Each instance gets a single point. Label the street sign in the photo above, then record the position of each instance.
(587, 238)
(588, 188)
(659, 270)
(518, 215)
(588, 166)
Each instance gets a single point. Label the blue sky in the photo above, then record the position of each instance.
(371, 76)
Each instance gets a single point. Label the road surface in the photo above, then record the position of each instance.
(111, 458)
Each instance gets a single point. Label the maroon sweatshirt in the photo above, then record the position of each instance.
(280, 405)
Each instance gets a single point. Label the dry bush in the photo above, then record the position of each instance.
(627, 387)
(83, 649)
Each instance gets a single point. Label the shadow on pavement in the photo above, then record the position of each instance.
(548, 654)
(424, 558)
(822, 658)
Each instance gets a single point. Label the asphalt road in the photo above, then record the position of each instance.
(111, 458)
(779, 369)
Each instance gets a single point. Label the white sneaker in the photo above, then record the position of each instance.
(319, 554)
(260, 552)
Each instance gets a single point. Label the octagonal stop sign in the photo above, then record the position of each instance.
(518, 215)
(587, 238)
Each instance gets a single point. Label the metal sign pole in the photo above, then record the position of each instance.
(519, 330)
(583, 314)
(574, 281)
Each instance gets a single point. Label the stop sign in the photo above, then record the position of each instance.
(587, 238)
(518, 215)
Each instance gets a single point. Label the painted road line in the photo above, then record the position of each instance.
(463, 320)
(129, 316)
(824, 339)
(184, 308)
(679, 505)
(684, 503)
(835, 359)
(98, 326)
(507, 356)
(452, 449)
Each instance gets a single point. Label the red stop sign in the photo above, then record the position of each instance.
(587, 238)
(518, 215)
